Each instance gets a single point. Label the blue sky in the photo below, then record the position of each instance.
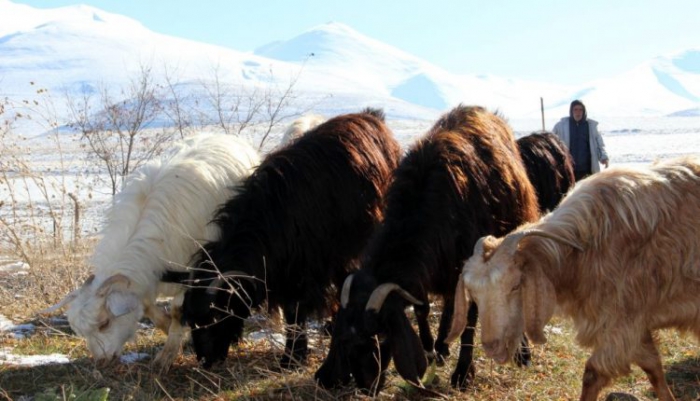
(563, 42)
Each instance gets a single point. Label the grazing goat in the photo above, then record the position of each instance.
(292, 234)
(300, 126)
(549, 167)
(155, 222)
(461, 181)
(620, 256)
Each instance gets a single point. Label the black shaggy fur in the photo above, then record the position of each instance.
(463, 180)
(549, 166)
(295, 227)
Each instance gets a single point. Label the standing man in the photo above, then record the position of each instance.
(584, 141)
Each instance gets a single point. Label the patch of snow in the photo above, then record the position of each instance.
(13, 266)
(554, 330)
(23, 331)
(267, 335)
(5, 323)
(8, 358)
(17, 331)
(133, 357)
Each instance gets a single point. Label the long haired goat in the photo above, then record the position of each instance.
(461, 181)
(549, 166)
(294, 230)
(620, 256)
(155, 222)
(300, 126)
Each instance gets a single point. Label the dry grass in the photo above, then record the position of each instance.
(252, 371)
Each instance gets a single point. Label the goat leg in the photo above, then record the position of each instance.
(426, 337)
(593, 382)
(441, 347)
(465, 371)
(176, 333)
(296, 344)
(648, 359)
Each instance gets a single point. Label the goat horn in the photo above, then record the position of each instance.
(88, 280)
(512, 240)
(217, 282)
(479, 246)
(68, 298)
(560, 239)
(345, 292)
(376, 300)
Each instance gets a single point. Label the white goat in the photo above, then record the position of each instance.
(620, 256)
(299, 127)
(156, 222)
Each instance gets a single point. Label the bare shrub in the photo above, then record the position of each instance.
(117, 131)
(36, 213)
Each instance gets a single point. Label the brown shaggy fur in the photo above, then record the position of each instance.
(637, 270)
(461, 181)
(549, 166)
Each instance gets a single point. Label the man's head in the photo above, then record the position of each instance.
(577, 111)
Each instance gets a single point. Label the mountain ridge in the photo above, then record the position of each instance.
(81, 46)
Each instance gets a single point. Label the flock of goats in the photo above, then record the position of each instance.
(338, 221)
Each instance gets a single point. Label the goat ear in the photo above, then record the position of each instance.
(406, 349)
(539, 299)
(120, 303)
(113, 283)
(459, 317)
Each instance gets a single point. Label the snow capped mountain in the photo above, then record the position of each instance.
(361, 64)
(662, 86)
(371, 65)
(82, 48)
(79, 46)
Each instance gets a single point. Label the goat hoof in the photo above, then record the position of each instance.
(621, 397)
(441, 359)
(436, 357)
(461, 380)
(523, 358)
(288, 362)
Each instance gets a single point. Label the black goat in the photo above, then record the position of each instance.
(292, 233)
(464, 179)
(549, 167)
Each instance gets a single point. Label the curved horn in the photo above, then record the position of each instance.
(540, 233)
(510, 242)
(345, 292)
(217, 282)
(68, 298)
(376, 300)
(479, 246)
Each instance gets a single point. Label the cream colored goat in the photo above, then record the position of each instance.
(620, 256)
(300, 126)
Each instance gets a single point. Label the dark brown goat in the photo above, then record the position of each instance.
(294, 229)
(462, 180)
(549, 166)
